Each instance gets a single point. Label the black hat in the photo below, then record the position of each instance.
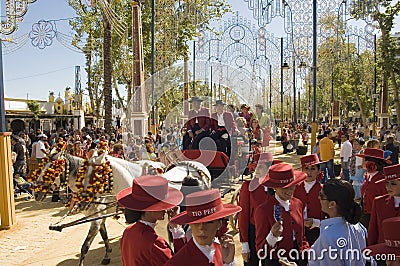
(219, 102)
(195, 99)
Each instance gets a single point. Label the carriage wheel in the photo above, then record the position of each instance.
(233, 220)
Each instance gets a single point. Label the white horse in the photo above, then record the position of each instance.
(123, 174)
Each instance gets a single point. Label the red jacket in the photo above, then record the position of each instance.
(141, 246)
(382, 208)
(310, 200)
(249, 201)
(292, 222)
(191, 255)
(370, 190)
(230, 124)
(203, 117)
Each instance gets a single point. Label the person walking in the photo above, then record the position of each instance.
(346, 152)
(327, 153)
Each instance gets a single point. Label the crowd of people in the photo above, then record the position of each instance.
(286, 216)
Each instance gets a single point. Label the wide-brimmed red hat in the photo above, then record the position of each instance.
(391, 172)
(283, 175)
(310, 160)
(374, 153)
(149, 193)
(204, 206)
(265, 157)
(391, 234)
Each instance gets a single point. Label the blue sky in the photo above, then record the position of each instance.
(30, 72)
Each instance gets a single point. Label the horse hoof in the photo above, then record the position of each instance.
(105, 262)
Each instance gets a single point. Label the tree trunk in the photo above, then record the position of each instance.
(396, 95)
(107, 65)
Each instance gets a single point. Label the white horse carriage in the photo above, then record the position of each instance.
(84, 179)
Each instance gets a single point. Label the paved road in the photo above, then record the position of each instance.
(30, 242)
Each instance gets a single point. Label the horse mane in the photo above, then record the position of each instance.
(74, 163)
(199, 168)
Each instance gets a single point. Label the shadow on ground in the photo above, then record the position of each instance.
(95, 256)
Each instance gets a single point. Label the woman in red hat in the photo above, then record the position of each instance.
(204, 212)
(252, 194)
(386, 206)
(389, 249)
(308, 192)
(279, 222)
(147, 201)
(373, 164)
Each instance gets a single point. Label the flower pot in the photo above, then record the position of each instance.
(337, 168)
(301, 150)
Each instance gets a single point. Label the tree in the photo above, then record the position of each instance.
(109, 25)
(383, 13)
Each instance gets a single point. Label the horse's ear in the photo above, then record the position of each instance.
(99, 159)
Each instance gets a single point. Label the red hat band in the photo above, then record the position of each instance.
(392, 172)
(392, 243)
(284, 177)
(205, 209)
(309, 160)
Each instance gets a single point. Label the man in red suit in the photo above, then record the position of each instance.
(198, 125)
(223, 126)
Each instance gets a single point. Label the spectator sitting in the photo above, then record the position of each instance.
(22, 185)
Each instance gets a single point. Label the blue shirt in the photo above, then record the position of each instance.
(339, 243)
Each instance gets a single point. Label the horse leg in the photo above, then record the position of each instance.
(94, 229)
(103, 233)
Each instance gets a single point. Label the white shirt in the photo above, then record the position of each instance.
(221, 121)
(152, 225)
(396, 201)
(39, 147)
(208, 251)
(346, 151)
(308, 185)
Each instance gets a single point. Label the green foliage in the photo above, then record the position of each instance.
(34, 107)
(174, 27)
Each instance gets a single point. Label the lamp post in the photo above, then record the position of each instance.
(314, 69)
(294, 94)
(375, 95)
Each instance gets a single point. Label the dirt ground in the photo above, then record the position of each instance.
(30, 242)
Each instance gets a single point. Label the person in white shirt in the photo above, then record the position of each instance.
(345, 154)
(41, 151)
